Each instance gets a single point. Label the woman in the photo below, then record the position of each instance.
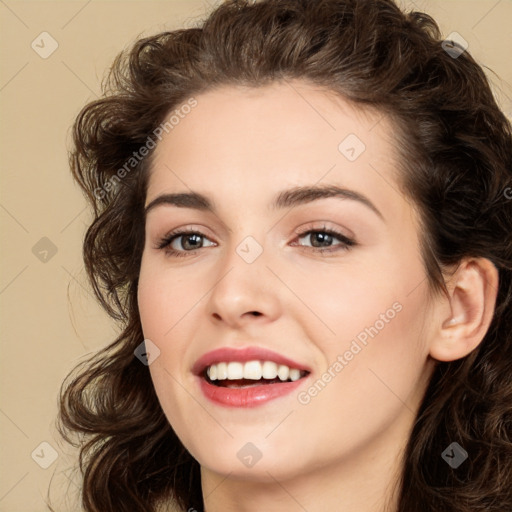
(302, 226)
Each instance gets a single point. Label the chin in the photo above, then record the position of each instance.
(253, 458)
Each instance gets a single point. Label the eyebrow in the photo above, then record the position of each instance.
(284, 199)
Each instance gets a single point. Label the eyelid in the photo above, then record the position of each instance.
(327, 227)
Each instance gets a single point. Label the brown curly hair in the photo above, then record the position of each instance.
(457, 165)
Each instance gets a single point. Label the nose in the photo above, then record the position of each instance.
(244, 293)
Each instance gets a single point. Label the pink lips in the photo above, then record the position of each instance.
(250, 396)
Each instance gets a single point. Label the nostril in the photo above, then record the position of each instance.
(255, 313)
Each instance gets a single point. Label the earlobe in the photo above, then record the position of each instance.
(472, 292)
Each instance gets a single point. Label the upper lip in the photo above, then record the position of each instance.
(228, 354)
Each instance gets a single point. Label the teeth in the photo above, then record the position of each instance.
(283, 372)
(212, 372)
(294, 374)
(222, 371)
(235, 371)
(269, 370)
(252, 370)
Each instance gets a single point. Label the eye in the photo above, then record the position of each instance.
(186, 242)
(324, 240)
(181, 242)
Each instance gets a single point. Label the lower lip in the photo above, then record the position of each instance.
(247, 397)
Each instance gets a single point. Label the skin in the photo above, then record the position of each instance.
(341, 450)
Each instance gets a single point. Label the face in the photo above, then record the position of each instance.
(290, 249)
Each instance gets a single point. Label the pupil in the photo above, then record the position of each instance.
(196, 242)
(322, 239)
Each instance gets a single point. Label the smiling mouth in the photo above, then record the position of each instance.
(238, 375)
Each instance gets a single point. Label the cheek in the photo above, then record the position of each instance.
(372, 339)
(164, 300)
(379, 359)
(364, 291)
(374, 376)
(167, 303)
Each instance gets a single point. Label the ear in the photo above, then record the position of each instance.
(466, 317)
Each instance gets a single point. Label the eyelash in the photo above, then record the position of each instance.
(345, 244)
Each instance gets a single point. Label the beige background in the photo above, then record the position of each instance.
(49, 320)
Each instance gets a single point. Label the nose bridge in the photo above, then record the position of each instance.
(243, 288)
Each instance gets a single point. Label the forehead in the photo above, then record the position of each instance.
(284, 134)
